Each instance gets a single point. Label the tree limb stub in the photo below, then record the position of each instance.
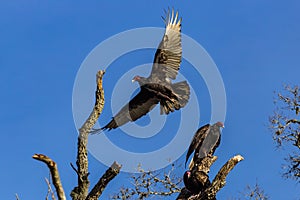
(54, 174)
(103, 181)
(219, 181)
(209, 192)
(81, 191)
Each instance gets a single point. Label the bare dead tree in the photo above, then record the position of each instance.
(103, 181)
(54, 174)
(285, 126)
(81, 191)
(201, 169)
(147, 184)
(255, 193)
(252, 193)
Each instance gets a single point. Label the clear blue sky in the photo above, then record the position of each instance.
(255, 45)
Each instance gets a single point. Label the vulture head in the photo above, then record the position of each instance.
(140, 80)
(220, 124)
(186, 178)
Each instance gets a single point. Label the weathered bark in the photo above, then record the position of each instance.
(54, 174)
(210, 191)
(80, 192)
(103, 181)
(205, 164)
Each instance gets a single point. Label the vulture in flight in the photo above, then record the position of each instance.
(158, 88)
(205, 141)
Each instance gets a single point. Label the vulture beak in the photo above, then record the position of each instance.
(136, 78)
(220, 124)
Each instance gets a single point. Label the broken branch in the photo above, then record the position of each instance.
(54, 174)
(81, 191)
(103, 181)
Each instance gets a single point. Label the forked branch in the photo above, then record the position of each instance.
(80, 192)
(209, 191)
(220, 179)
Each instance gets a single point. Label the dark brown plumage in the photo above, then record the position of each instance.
(195, 181)
(197, 141)
(157, 88)
(205, 141)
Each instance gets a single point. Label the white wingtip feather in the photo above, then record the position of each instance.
(176, 18)
(172, 20)
(172, 17)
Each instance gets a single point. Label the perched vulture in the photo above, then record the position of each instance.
(157, 88)
(205, 141)
(195, 181)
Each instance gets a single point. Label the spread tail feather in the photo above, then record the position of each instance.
(182, 92)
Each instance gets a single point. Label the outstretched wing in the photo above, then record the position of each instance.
(168, 55)
(197, 140)
(140, 105)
